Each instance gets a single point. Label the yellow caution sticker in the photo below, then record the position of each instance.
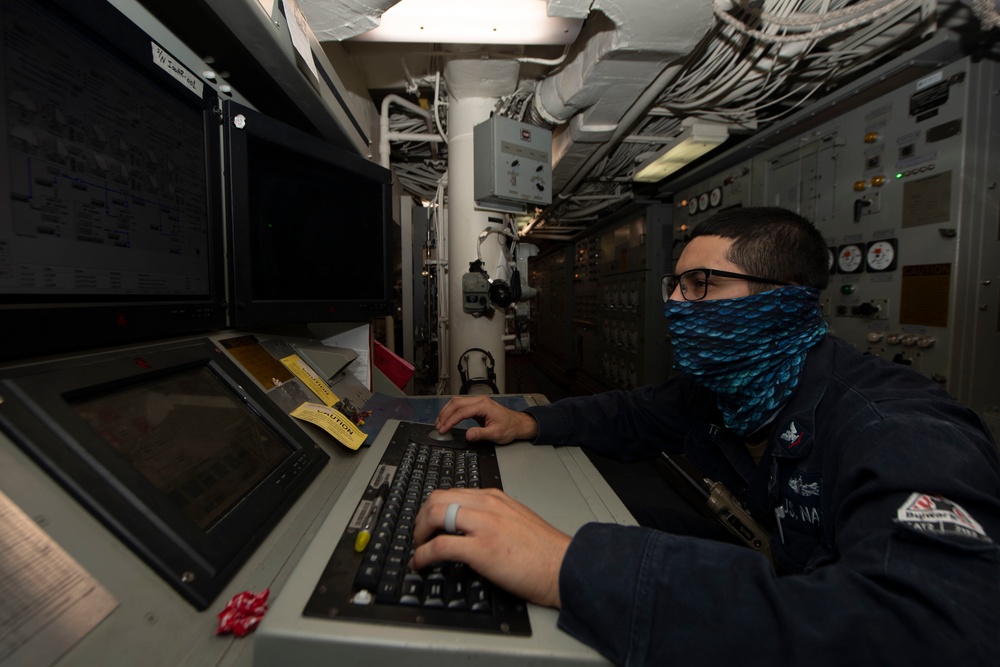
(310, 379)
(331, 421)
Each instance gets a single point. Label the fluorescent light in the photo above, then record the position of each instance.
(694, 141)
(472, 22)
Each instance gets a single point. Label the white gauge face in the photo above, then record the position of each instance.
(715, 197)
(880, 255)
(703, 202)
(849, 259)
(692, 206)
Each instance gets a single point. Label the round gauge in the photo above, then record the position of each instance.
(703, 202)
(881, 256)
(831, 259)
(692, 206)
(849, 259)
(715, 197)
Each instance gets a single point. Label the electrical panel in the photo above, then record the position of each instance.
(904, 188)
(586, 343)
(513, 165)
(551, 312)
(725, 190)
(616, 333)
(634, 256)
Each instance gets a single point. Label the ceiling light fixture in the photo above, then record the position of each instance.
(696, 139)
(472, 22)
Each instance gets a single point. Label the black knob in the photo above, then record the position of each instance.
(868, 309)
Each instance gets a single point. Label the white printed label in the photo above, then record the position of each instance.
(930, 80)
(175, 69)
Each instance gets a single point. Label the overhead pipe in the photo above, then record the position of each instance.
(385, 136)
(592, 95)
(634, 114)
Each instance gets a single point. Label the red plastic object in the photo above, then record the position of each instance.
(398, 370)
(243, 613)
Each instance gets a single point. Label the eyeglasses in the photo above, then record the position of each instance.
(694, 283)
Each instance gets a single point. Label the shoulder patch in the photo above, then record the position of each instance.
(936, 514)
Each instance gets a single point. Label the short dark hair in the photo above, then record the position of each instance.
(772, 242)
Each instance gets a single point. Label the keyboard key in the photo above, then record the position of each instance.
(367, 578)
(411, 592)
(387, 591)
(479, 596)
(434, 596)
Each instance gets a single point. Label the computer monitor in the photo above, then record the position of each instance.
(309, 226)
(171, 446)
(110, 199)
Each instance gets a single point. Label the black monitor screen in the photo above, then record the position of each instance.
(171, 446)
(110, 215)
(190, 437)
(309, 226)
(316, 228)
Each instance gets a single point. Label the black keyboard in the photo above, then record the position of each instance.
(370, 580)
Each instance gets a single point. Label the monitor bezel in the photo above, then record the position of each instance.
(246, 310)
(54, 324)
(38, 415)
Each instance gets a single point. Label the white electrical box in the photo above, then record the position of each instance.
(513, 165)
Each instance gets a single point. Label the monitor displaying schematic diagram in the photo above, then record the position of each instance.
(112, 220)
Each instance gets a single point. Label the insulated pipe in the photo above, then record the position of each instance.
(632, 116)
(465, 222)
(343, 19)
(635, 112)
(621, 49)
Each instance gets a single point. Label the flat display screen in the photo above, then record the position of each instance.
(110, 214)
(310, 226)
(107, 189)
(189, 436)
(317, 230)
(171, 446)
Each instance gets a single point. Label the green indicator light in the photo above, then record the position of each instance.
(899, 175)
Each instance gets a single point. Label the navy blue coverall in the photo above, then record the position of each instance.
(882, 495)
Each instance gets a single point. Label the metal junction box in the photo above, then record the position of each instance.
(513, 165)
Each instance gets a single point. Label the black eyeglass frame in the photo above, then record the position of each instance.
(671, 281)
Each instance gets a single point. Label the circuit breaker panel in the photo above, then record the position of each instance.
(904, 188)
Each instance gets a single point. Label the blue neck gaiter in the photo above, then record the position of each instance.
(749, 350)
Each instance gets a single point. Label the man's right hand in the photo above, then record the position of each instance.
(497, 423)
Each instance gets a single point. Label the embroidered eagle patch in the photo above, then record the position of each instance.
(936, 514)
(794, 440)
